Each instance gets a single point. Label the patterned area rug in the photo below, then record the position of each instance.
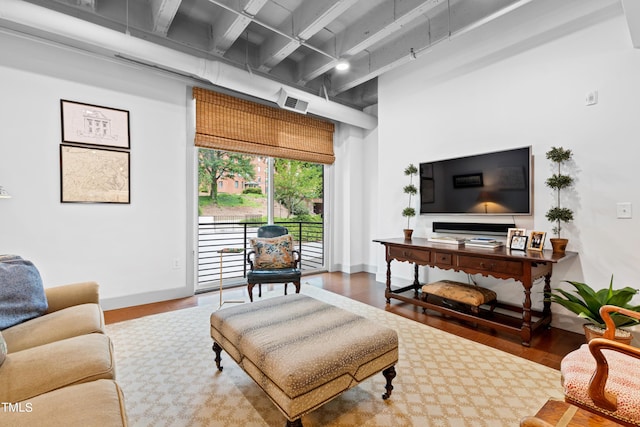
(166, 368)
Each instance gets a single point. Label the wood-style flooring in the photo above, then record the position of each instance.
(547, 347)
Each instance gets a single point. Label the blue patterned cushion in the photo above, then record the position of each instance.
(22, 295)
(273, 252)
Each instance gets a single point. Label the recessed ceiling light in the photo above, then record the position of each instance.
(342, 65)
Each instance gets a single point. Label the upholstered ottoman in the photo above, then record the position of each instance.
(303, 352)
(462, 293)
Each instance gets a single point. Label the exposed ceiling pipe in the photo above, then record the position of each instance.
(42, 22)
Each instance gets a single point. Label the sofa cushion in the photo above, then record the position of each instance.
(3, 349)
(29, 373)
(273, 252)
(22, 295)
(62, 324)
(97, 403)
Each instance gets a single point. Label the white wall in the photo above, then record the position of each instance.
(347, 196)
(128, 249)
(517, 81)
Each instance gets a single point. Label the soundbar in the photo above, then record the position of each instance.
(472, 228)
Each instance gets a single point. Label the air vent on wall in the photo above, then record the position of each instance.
(290, 102)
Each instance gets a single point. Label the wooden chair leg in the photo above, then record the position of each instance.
(297, 285)
(260, 290)
(250, 290)
(285, 288)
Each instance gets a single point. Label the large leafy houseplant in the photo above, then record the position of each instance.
(586, 302)
(409, 212)
(559, 181)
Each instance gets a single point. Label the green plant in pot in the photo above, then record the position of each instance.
(586, 303)
(559, 181)
(409, 212)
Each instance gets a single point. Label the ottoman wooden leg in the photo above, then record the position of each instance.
(389, 374)
(217, 349)
(295, 423)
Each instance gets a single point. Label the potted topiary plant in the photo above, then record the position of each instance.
(586, 303)
(557, 182)
(411, 190)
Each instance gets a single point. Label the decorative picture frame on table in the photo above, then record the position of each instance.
(94, 175)
(518, 242)
(514, 232)
(536, 240)
(94, 125)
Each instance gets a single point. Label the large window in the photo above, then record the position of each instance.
(235, 198)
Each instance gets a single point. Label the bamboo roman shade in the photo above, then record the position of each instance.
(231, 124)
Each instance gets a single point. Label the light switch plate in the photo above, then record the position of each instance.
(624, 210)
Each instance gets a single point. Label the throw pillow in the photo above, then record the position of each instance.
(22, 295)
(273, 252)
(3, 349)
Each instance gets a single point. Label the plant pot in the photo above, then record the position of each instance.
(407, 233)
(592, 331)
(559, 245)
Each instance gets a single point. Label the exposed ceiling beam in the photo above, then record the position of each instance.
(306, 20)
(398, 52)
(632, 13)
(162, 13)
(227, 29)
(380, 23)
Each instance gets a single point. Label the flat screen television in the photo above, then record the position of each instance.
(497, 183)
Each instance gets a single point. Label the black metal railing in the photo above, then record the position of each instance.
(213, 236)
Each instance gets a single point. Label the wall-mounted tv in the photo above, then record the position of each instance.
(497, 183)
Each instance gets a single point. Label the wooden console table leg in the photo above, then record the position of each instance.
(387, 291)
(416, 282)
(546, 309)
(525, 331)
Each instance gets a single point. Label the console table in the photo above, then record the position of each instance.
(501, 263)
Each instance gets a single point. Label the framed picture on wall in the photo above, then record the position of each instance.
(94, 125)
(536, 240)
(93, 175)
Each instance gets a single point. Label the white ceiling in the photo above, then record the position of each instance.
(297, 42)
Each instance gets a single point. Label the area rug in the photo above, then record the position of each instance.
(165, 365)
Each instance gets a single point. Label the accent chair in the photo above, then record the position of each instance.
(273, 259)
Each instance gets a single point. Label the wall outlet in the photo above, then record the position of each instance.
(175, 264)
(624, 210)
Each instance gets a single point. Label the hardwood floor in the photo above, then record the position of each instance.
(547, 347)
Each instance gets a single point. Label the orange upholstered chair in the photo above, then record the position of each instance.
(603, 376)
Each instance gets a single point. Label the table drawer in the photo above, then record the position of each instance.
(487, 264)
(443, 258)
(408, 254)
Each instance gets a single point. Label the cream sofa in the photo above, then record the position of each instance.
(59, 368)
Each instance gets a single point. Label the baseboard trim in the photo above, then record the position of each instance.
(144, 298)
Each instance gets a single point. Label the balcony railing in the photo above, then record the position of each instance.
(213, 236)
